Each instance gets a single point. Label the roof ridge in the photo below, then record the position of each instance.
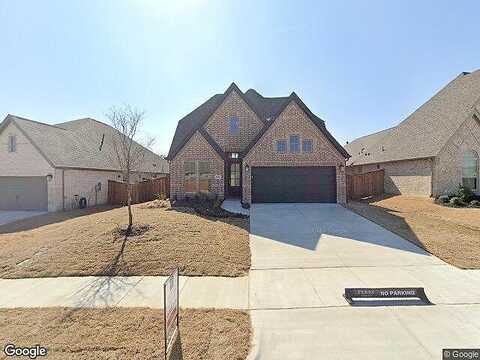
(374, 133)
(34, 121)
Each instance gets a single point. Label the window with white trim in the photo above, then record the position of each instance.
(12, 143)
(470, 170)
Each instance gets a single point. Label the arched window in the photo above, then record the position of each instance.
(470, 170)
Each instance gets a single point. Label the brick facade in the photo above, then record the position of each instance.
(293, 121)
(197, 148)
(218, 125)
(434, 176)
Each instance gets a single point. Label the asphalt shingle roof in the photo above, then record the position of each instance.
(424, 133)
(267, 109)
(76, 144)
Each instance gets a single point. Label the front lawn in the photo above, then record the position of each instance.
(90, 242)
(452, 234)
(127, 333)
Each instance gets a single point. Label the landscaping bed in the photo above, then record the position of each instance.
(452, 234)
(127, 333)
(93, 242)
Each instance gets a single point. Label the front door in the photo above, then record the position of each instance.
(234, 176)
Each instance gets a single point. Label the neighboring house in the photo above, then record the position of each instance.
(49, 167)
(258, 149)
(434, 150)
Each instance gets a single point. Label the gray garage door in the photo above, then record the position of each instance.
(294, 184)
(23, 193)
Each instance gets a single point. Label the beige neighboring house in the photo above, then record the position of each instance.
(50, 167)
(434, 150)
(256, 149)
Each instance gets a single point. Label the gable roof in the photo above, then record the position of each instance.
(76, 144)
(426, 131)
(266, 108)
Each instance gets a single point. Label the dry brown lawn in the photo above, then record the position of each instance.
(86, 242)
(452, 234)
(127, 333)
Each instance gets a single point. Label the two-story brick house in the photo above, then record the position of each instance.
(258, 149)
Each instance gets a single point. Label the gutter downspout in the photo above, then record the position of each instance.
(63, 189)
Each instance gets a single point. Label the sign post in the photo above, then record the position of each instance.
(171, 309)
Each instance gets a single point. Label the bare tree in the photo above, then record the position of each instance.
(129, 150)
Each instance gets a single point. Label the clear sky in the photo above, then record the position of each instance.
(360, 65)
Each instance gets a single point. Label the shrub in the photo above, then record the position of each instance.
(443, 199)
(455, 201)
(474, 203)
(204, 196)
(465, 194)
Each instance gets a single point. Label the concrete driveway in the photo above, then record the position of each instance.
(8, 216)
(304, 255)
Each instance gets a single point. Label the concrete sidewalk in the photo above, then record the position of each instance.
(135, 291)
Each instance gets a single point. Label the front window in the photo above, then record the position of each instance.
(204, 175)
(190, 176)
(307, 146)
(234, 128)
(294, 144)
(12, 143)
(470, 170)
(281, 146)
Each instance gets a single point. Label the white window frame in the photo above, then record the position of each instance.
(475, 156)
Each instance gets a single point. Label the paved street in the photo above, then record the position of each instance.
(8, 216)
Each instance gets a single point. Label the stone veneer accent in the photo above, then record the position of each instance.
(218, 125)
(293, 121)
(197, 148)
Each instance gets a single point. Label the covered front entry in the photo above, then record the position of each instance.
(294, 184)
(23, 193)
(233, 175)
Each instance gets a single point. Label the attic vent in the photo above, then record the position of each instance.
(101, 143)
(154, 165)
(383, 149)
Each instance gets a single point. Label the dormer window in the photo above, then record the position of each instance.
(234, 126)
(12, 143)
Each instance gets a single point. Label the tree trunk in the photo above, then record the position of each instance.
(129, 203)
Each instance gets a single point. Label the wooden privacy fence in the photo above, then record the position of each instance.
(363, 185)
(141, 192)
